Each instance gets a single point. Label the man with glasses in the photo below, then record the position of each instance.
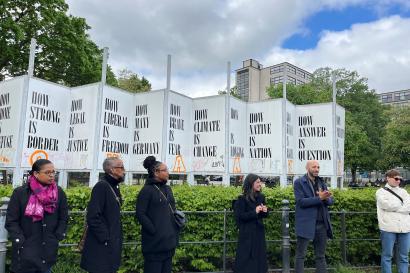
(393, 208)
(103, 243)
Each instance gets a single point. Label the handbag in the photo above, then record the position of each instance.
(80, 245)
(179, 216)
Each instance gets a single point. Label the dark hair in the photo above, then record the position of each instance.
(151, 164)
(392, 173)
(38, 164)
(247, 188)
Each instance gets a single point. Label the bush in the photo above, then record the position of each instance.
(210, 227)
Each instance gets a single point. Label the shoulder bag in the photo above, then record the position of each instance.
(179, 216)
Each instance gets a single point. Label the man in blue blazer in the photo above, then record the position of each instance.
(312, 216)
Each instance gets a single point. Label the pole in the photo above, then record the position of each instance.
(165, 113)
(283, 176)
(97, 135)
(285, 237)
(333, 181)
(227, 111)
(18, 171)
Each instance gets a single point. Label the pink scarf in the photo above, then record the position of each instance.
(42, 198)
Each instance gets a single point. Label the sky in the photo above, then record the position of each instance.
(368, 36)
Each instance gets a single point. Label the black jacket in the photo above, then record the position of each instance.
(34, 244)
(103, 243)
(251, 251)
(159, 232)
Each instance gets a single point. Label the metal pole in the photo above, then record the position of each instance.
(97, 134)
(284, 176)
(343, 242)
(3, 233)
(334, 134)
(32, 57)
(165, 116)
(285, 237)
(224, 247)
(227, 130)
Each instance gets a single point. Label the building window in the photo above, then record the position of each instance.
(291, 70)
(276, 69)
(276, 80)
(300, 73)
(291, 80)
(242, 84)
(299, 82)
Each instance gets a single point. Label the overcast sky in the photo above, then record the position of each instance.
(371, 37)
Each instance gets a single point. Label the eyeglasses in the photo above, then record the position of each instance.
(119, 167)
(49, 173)
(397, 178)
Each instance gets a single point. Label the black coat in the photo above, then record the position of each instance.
(251, 251)
(103, 243)
(34, 244)
(159, 233)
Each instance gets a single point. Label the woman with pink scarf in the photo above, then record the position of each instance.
(36, 220)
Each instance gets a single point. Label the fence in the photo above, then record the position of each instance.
(284, 240)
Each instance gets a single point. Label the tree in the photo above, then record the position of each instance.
(396, 140)
(365, 118)
(130, 81)
(65, 55)
(233, 92)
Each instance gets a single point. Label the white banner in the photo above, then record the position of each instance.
(80, 132)
(147, 128)
(290, 137)
(11, 92)
(314, 137)
(180, 134)
(209, 135)
(116, 125)
(340, 139)
(238, 147)
(265, 137)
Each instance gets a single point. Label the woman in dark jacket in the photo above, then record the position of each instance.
(158, 229)
(103, 242)
(249, 211)
(36, 220)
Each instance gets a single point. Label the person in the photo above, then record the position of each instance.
(103, 241)
(159, 233)
(36, 220)
(250, 209)
(393, 208)
(312, 220)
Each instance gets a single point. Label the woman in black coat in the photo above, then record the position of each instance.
(158, 229)
(36, 220)
(249, 211)
(103, 242)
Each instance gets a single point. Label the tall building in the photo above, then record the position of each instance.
(252, 79)
(395, 98)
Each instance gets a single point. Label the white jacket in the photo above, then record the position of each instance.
(392, 214)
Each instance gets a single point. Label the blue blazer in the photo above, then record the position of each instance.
(307, 205)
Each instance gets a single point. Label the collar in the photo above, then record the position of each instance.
(111, 180)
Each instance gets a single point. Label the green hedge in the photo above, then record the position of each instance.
(209, 227)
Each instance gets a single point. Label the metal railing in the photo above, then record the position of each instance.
(285, 241)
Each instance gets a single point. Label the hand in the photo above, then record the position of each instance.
(264, 208)
(324, 195)
(259, 209)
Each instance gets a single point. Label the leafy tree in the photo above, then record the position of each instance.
(65, 53)
(233, 92)
(130, 81)
(396, 140)
(365, 118)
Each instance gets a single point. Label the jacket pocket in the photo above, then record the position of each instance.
(50, 244)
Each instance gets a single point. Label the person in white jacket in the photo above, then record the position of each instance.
(393, 208)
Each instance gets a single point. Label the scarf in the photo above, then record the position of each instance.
(42, 198)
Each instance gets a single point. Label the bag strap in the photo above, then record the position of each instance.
(115, 195)
(165, 198)
(395, 194)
